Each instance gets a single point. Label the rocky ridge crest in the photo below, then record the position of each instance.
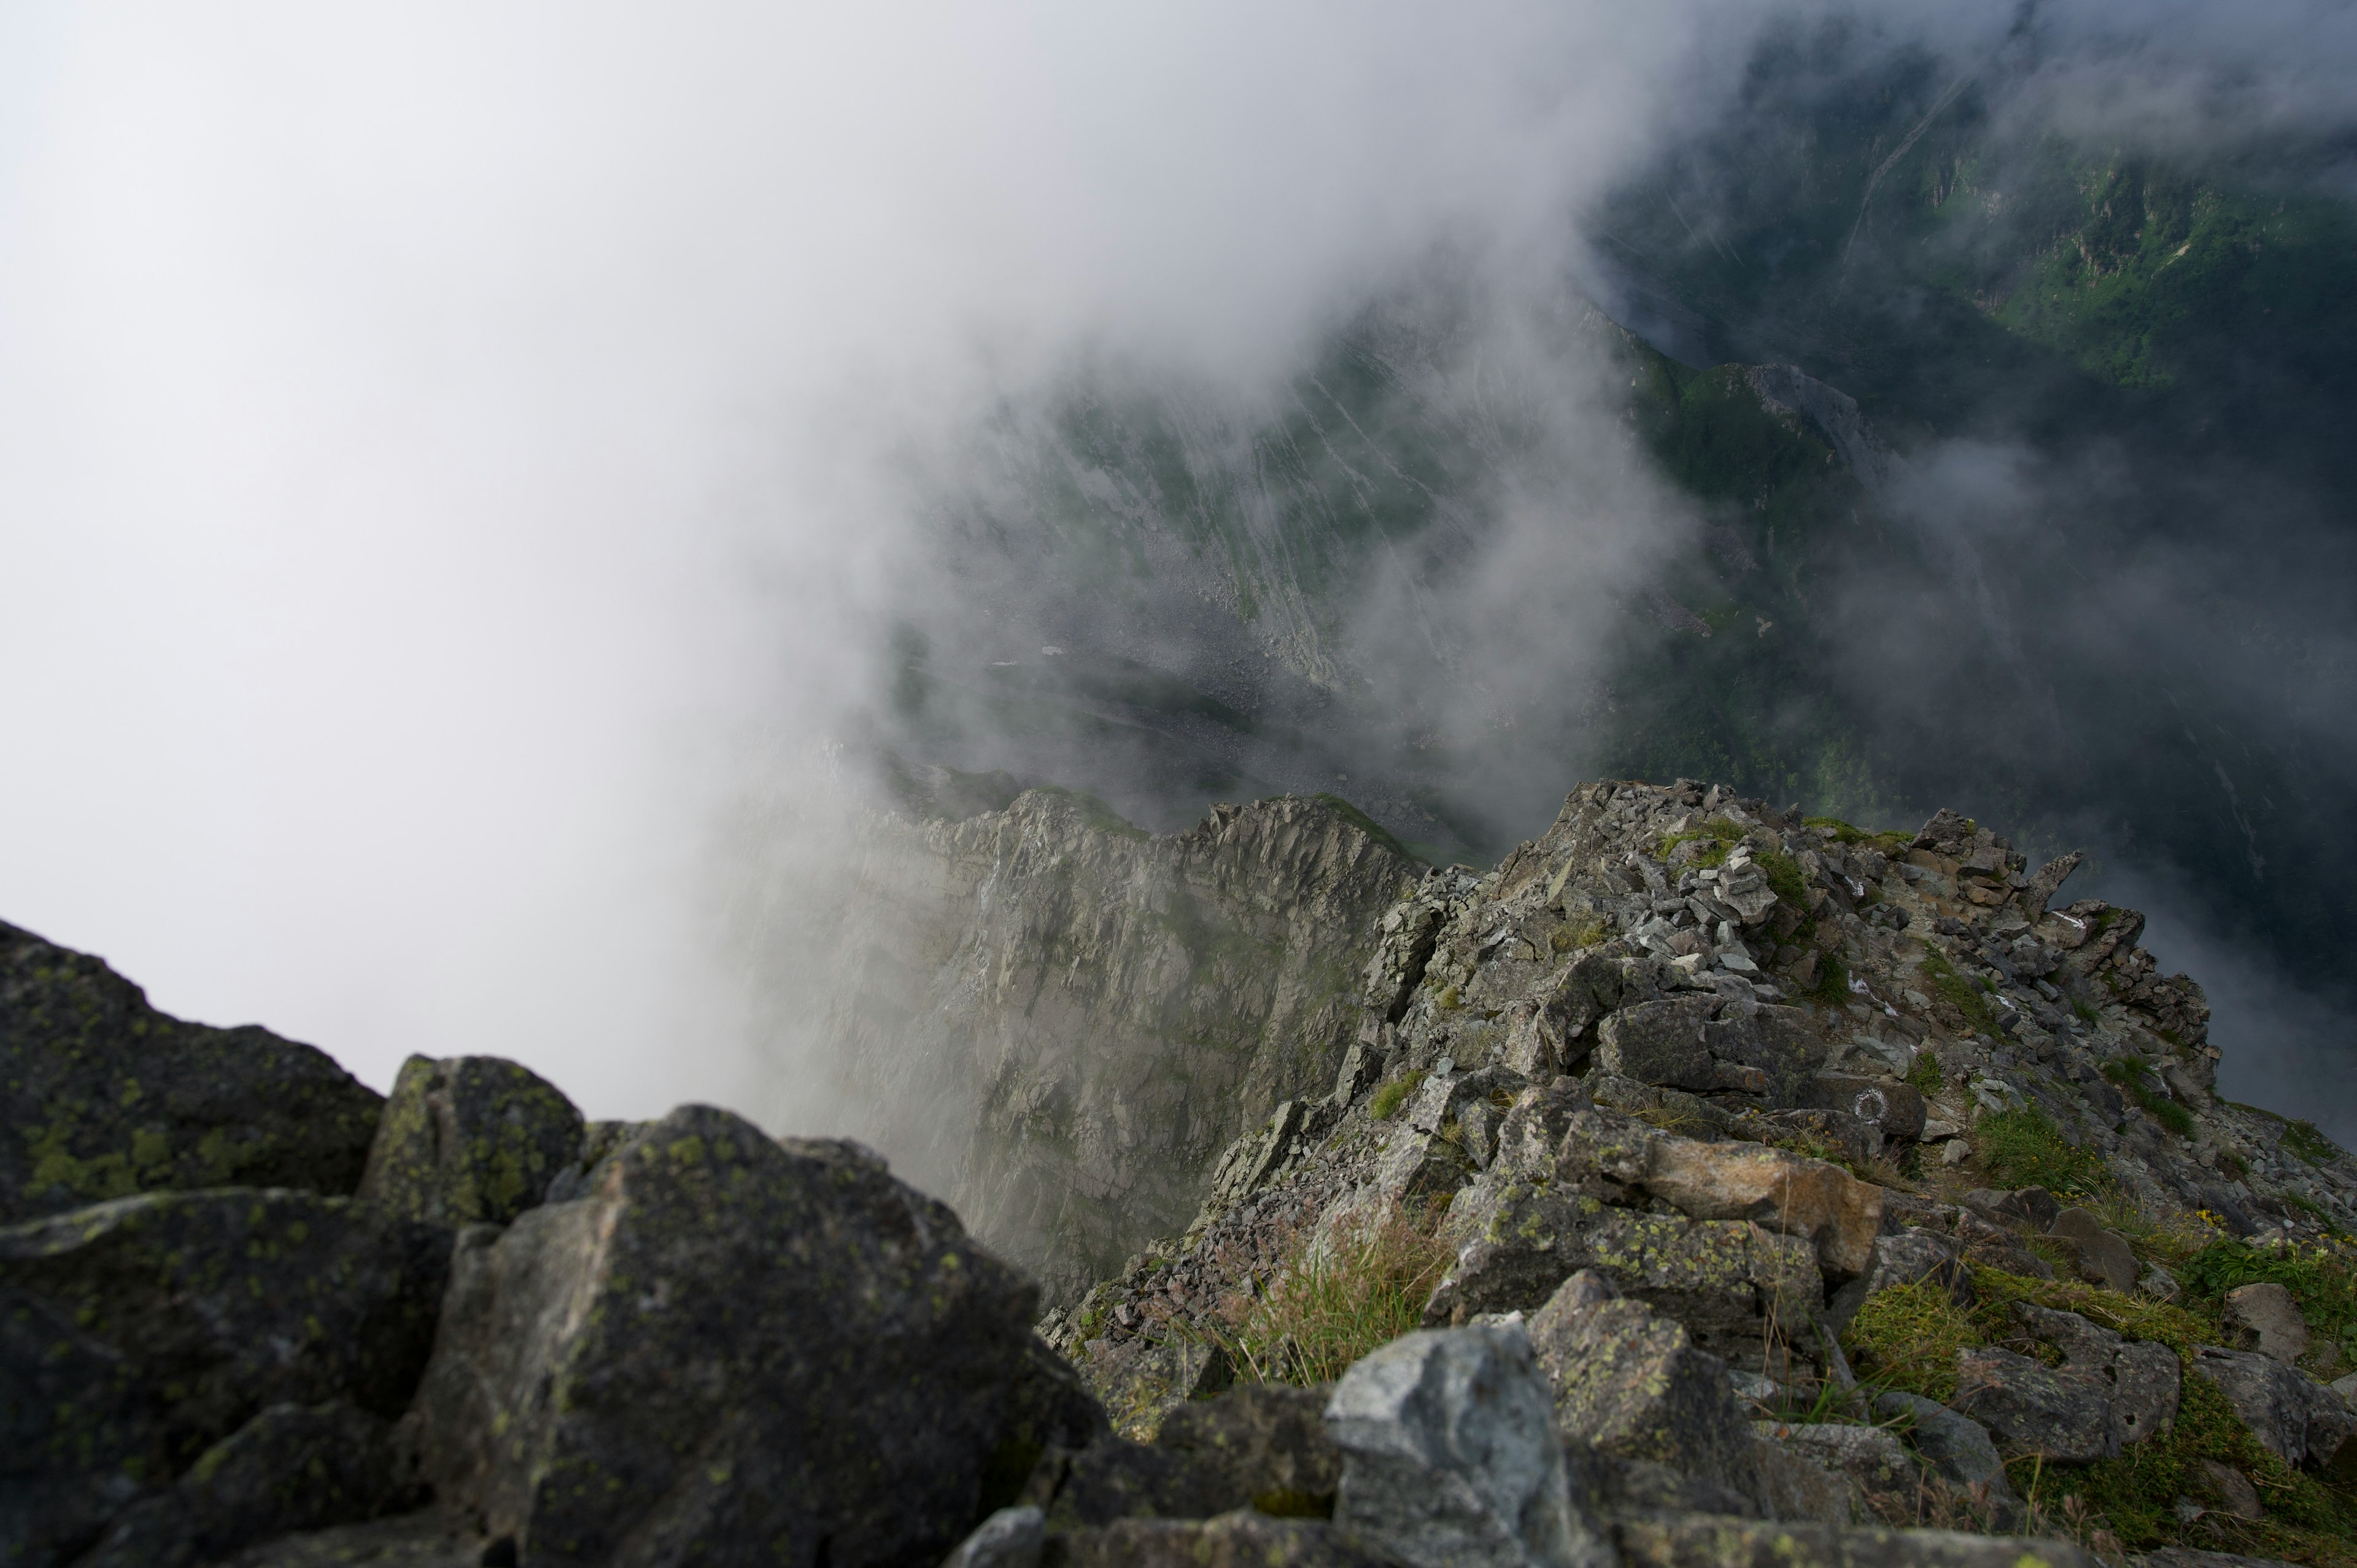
(1687, 1085)
(1652, 1165)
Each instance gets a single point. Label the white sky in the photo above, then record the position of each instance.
(435, 440)
(428, 433)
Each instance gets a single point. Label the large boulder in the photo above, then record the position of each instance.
(1451, 1458)
(1838, 1214)
(2033, 1409)
(1262, 1446)
(1955, 1446)
(138, 1334)
(1747, 1294)
(733, 1346)
(1244, 1539)
(292, 1468)
(102, 1096)
(1631, 1382)
(2299, 1419)
(1739, 1543)
(470, 1140)
(2266, 1319)
(1660, 1043)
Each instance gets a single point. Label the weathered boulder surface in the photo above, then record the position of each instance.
(2107, 1394)
(1630, 1381)
(469, 1140)
(1244, 1539)
(1262, 1446)
(140, 1333)
(1740, 1543)
(292, 1468)
(732, 1345)
(2268, 1321)
(1958, 1448)
(1451, 1457)
(2298, 1418)
(102, 1096)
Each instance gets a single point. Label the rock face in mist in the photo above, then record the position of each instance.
(102, 1096)
(1087, 1015)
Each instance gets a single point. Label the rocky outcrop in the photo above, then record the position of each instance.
(102, 1096)
(1715, 1081)
(472, 1140)
(730, 1340)
(140, 1333)
(1061, 1021)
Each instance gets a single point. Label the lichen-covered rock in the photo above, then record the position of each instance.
(1631, 1382)
(469, 1140)
(292, 1468)
(1957, 1447)
(2031, 1408)
(731, 1345)
(1871, 1457)
(1262, 1446)
(144, 1331)
(2299, 1419)
(1660, 1043)
(1140, 1381)
(102, 1096)
(1742, 1544)
(1839, 1215)
(2266, 1319)
(430, 1538)
(1244, 1539)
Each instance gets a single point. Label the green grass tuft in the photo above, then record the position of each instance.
(2131, 1074)
(2302, 1139)
(1394, 1094)
(1327, 1310)
(1924, 1072)
(1832, 988)
(1966, 995)
(2023, 1148)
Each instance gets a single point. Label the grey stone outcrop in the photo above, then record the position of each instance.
(102, 1096)
(2299, 1419)
(732, 1345)
(138, 1334)
(1451, 1458)
(467, 1141)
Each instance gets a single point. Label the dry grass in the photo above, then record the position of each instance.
(1329, 1307)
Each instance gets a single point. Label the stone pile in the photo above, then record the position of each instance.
(1660, 1075)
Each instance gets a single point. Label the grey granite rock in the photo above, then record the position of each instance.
(733, 1344)
(469, 1140)
(1451, 1457)
(102, 1096)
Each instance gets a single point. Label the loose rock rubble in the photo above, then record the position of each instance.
(1662, 1077)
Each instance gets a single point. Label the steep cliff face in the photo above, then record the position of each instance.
(1096, 1011)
